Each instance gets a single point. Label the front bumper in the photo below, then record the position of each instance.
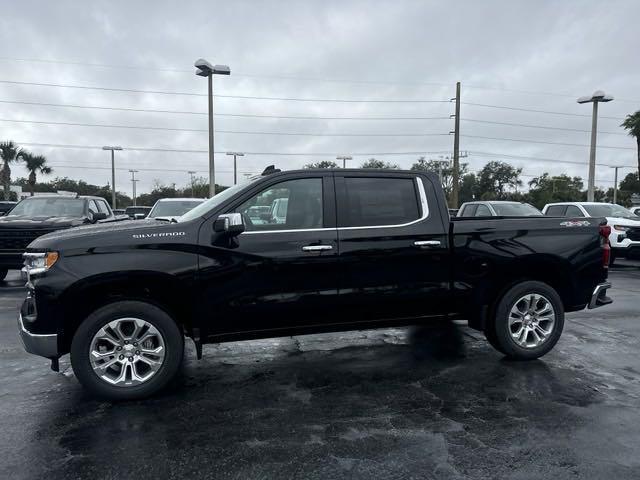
(45, 345)
(599, 297)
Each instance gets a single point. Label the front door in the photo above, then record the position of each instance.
(281, 272)
(394, 257)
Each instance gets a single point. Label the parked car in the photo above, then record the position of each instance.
(498, 209)
(6, 206)
(625, 227)
(119, 211)
(356, 249)
(173, 208)
(137, 212)
(36, 216)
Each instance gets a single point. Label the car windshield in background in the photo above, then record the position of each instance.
(213, 202)
(608, 210)
(515, 210)
(173, 208)
(49, 207)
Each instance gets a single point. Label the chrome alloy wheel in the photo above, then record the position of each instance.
(531, 320)
(127, 352)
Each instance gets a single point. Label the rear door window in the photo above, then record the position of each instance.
(556, 210)
(573, 211)
(371, 201)
(483, 211)
(469, 210)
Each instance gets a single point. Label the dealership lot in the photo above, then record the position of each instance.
(434, 402)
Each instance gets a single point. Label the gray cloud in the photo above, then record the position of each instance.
(394, 50)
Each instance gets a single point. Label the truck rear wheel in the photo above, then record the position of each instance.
(528, 321)
(127, 350)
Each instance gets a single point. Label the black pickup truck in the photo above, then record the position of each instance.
(352, 249)
(36, 216)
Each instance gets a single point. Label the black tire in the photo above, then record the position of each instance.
(3, 273)
(158, 318)
(499, 330)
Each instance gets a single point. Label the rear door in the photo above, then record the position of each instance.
(393, 259)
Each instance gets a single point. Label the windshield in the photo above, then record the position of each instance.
(49, 207)
(608, 210)
(213, 202)
(515, 210)
(173, 208)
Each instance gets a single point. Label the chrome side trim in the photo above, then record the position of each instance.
(316, 248)
(423, 204)
(593, 303)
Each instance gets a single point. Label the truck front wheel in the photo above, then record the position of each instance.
(126, 350)
(528, 321)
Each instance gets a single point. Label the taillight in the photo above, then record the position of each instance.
(605, 231)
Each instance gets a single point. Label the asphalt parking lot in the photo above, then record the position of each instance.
(398, 403)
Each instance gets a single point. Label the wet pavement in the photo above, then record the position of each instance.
(434, 402)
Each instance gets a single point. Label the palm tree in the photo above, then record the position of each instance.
(10, 153)
(632, 124)
(35, 164)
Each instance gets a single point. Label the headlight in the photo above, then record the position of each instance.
(36, 263)
(621, 228)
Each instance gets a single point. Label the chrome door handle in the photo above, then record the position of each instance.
(316, 248)
(427, 243)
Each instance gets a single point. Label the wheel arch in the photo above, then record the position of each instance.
(163, 290)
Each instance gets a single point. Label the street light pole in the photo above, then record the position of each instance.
(205, 69)
(344, 159)
(113, 174)
(615, 185)
(597, 97)
(133, 184)
(235, 165)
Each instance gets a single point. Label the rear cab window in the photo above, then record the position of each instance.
(370, 201)
(556, 211)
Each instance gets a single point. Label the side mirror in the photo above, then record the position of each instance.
(98, 216)
(229, 223)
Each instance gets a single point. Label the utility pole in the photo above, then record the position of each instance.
(344, 159)
(133, 184)
(191, 173)
(456, 152)
(615, 185)
(235, 165)
(113, 174)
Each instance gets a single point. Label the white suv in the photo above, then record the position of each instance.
(625, 226)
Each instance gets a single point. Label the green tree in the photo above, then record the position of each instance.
(561, 188)
(495, 179)
(632, 125)
(443, 169)
(322, 164)
(468, 188)
(10, 153)
(380, 164)
(35, 164)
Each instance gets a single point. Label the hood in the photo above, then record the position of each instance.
(19, 221)
(624, 221)
(109, 234)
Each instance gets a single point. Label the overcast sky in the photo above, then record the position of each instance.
(518, 54)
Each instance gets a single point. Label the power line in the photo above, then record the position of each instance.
(174, 150)
(305, 78)
(542, 159)
(538, 126)
(536, 111)
(242, 115)
(38, 122)
(544, 142)
(241, 97)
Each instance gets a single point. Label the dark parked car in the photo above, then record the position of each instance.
(36, 216)
(353, 249)
(137, 213)
(6, 206)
